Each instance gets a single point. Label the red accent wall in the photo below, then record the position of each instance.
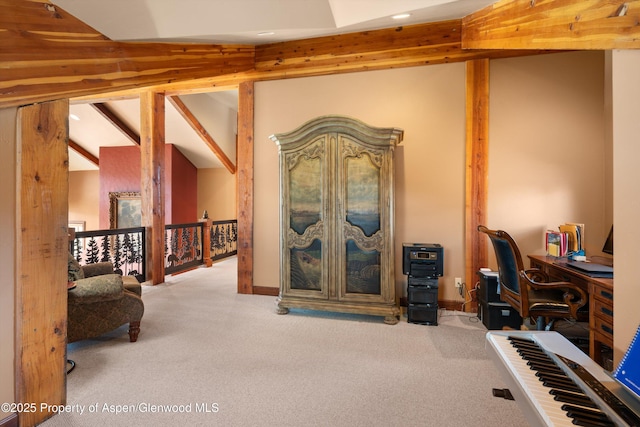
(182, 192)
(120, 171)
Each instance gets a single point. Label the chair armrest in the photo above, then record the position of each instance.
(97, 269)
(94, 289)
(131, 284)
(573, 295)
(537, 275)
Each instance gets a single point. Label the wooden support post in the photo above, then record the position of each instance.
(477, 136)
(245, 188)
(152, 119)
(8, 255)
(42, 182)
(206, 242)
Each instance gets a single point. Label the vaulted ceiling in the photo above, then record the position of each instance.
(220, 22)
(246, 21)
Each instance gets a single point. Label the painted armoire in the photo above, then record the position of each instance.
(337, 217)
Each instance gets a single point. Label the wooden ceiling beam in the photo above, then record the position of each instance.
(84, 153)
(554, 24)
(409, 46)
(113, 118)
(48, 54)
(421, 44)
(202, 132)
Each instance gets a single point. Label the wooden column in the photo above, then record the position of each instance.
(8, 255)
(206, 241)
(42, 177)
(152, 186)
(477, 143)
(245, 188)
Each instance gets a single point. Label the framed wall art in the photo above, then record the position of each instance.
(125, 209)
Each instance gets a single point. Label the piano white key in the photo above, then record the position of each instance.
(545, 409)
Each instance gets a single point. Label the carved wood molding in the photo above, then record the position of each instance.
(314, 151)
(349, 149)
(375, 242)
(295, 240)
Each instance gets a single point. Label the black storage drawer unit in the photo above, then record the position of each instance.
(422, 290)
(420, 295)
(488, 286)
(423, 282)
(422, 300)
(423, 263)
(497, 315)
(424, 314)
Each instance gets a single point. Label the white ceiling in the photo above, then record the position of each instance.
(240, 21)
(227, 22)
(93, 131)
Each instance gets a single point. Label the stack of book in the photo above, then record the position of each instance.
(557, 243)
(569, 239)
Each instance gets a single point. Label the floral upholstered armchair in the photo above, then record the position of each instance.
(101, 301)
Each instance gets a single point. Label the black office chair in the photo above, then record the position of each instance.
(529, 291)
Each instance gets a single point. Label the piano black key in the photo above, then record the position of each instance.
(529, 348)
(580, 419)
(540, 357)
(589, 415)
(585, 423)
(560, 385)
(554, 377)
(524, 347)
(551, 375)
(521, 339)
(574, 398)
(544, 367)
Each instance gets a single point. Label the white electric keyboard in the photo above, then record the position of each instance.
(556, 384)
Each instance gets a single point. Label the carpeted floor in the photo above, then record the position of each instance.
(207, 356)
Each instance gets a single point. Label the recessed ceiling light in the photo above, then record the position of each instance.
(74, 117)
(266, 33)
(401, 16)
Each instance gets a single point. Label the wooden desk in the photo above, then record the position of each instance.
(600, 301)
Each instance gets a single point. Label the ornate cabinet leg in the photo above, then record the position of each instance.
(391, 320)
(280, 309)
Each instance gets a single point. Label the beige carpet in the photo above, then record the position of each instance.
(207, 356)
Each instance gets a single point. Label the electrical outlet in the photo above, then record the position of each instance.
(459, 285)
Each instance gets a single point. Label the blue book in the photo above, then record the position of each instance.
(628, 371)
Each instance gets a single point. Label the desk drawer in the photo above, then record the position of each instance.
(603, 327)
(602, 294)
(603, 310)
